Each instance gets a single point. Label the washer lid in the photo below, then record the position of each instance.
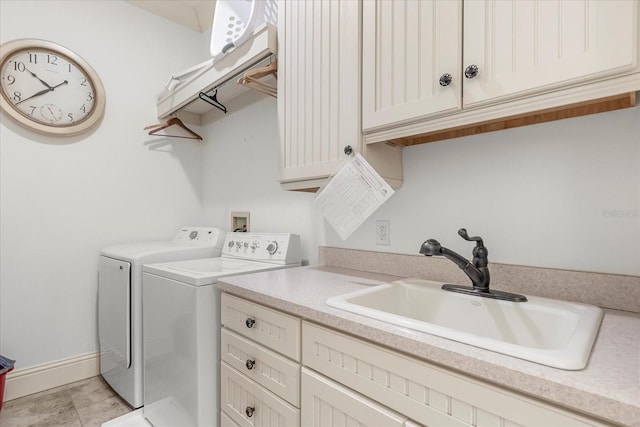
(143, 253)
(199, 272)
(188, 243)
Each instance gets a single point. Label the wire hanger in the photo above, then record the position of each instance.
(174, 121)
(251, 79)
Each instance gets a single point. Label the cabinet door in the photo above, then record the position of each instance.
(272, 371)
(318, 85)
(249, 405)
(407, 45)
(273, 329)
(527, 46)
(326, 403)
(428, 394)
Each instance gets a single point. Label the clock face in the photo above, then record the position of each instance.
(49, 89)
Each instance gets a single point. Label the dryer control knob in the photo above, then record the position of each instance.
(272, 247)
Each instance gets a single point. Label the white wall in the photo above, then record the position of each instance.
(564, 194)
(241, 171)
(63, 199)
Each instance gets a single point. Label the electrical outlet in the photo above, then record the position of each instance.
(383, 232)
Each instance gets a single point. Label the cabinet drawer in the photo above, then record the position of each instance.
(249, 404)
(271, 328)
(423, 392)
(225, 421)
(271, 370)
(326, 403)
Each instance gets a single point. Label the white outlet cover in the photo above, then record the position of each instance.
(383, 232)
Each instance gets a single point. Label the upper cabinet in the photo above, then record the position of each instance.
(424, 70)
(407, 47)
(319, 94)
(524, 47)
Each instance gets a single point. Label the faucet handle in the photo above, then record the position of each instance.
(480, 253)
(463, 233)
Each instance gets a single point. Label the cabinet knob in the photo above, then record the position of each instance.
(348, 150)
(249, 411)
(471, 71)
(250, 322)
(250, 364)
(445, 79)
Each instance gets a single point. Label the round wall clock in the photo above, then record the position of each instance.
(48, 88)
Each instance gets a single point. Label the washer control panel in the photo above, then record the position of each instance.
(199, 236)
(281, 248)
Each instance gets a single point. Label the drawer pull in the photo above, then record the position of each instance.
(249, 364)
(250, 322)
(249, 411)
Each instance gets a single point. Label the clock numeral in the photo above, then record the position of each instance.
(52, 59)
(69, 67)
(19, 66)
(84, 82)
(70, 117)
(32, 109)
(11, 80)
(33, 58)
(89, 96)
(17, 96)
(84, 108)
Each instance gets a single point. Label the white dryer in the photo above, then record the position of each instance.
(182, 326)
(120, 302)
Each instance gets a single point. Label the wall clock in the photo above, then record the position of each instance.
(48, 88)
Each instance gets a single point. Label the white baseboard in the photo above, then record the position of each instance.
(25, 381)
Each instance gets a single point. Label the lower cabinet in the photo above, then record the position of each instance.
(331, 379)
(426, 394)
(327, 403)
(249, 404)
(260, 365)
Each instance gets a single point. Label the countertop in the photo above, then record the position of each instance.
(608, 388)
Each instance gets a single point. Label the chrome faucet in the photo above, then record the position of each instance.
(477, 270)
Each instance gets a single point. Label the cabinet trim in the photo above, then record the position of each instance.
(612, 103)
(562, 98)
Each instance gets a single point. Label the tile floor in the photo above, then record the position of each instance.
(85, 403)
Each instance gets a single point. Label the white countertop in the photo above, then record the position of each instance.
(608, 388)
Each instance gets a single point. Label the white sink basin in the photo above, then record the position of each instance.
(550, 332)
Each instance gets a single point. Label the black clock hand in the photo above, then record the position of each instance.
(42, 92)
(41, 81)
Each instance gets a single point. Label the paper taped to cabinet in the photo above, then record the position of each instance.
(352, 195)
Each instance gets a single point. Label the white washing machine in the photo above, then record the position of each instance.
(182, 326)
(120, 302)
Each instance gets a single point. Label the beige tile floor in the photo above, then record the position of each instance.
(85, 403)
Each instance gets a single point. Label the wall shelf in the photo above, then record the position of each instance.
(221, 75)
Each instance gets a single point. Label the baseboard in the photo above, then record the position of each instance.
(25, 381)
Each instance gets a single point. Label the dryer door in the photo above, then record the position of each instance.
(114, 315)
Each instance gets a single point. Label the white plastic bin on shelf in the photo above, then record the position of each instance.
(235, 20)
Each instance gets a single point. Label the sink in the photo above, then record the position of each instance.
(555, 333)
